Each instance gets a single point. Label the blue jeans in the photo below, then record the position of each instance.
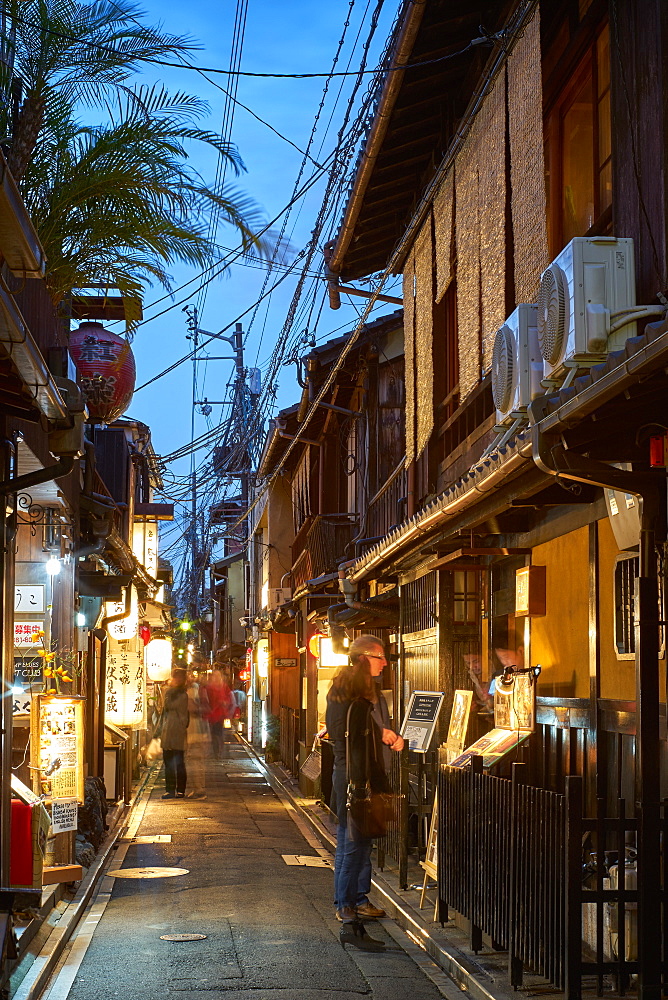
(352, 860)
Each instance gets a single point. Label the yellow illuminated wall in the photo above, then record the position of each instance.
(560, 640)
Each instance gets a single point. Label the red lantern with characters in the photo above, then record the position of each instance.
(107, 372)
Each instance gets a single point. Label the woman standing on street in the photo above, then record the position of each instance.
(358, 725)
(173, 734)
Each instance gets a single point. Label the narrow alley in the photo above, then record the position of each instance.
(229, 874)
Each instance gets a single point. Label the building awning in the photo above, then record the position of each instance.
(642, 360)
(19, 242)
(18, 344)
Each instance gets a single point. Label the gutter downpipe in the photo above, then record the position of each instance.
(62, 467)
(403, 49)
(554, 459)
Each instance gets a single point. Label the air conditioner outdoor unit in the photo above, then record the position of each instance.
(582, 294)
(278, 596)
(517, 365)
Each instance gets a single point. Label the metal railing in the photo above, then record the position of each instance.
(387, 507)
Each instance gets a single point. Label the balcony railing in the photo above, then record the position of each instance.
(388, 507)
(321, 547)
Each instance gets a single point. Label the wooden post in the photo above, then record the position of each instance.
(476, 932)
(515, 965)
(573, 907)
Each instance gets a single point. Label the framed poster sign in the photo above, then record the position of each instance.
(420, 720)
(492, 747)
(56, 746)
(459, 722)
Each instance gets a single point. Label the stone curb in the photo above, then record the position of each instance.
(33, 983)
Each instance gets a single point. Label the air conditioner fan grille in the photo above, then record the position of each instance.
(553, 304)
(503, 368)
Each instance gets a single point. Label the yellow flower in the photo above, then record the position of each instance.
(41, 633)
(48, 672)
(41, 652)
(49, 656)
(36, 637)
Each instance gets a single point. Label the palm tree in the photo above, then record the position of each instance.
(118, 203)
(62, 51)
(114, 204)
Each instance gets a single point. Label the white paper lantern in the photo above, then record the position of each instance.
(125, 699)
(158, 659)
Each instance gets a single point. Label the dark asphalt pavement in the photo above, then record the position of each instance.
(271, 931)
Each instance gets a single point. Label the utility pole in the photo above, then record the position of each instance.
(237, 431)
(194, 336)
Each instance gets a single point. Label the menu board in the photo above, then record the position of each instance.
(491, 747)
(56, 746)
(419, 722)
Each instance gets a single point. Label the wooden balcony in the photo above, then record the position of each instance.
(320, 546)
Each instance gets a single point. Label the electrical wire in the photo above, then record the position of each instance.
(483, 39)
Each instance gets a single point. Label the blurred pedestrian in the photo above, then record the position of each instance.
(220, 709)
(241, 700)
(197, 742)
(173, 734)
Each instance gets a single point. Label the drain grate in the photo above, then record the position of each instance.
(148, 872)
(306, 861)
(183, 937)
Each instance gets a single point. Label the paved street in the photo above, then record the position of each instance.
(270, 927)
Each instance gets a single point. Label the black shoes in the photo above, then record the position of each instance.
(353, 932)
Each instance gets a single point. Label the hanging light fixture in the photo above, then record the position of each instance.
(124, 628)
(158, 659)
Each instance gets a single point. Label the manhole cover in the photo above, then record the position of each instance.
(183, 937)
(148, 872)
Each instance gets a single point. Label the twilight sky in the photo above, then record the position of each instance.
(284, 37)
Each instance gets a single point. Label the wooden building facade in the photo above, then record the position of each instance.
(516, 176)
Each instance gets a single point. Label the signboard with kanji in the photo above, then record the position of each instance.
(24, 632)
(56, 746)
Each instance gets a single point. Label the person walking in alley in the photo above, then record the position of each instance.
(173, 734)
(358, 724)
(197, 740)
(221, 703)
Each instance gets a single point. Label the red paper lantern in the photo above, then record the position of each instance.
(106, 368)
(145, 634)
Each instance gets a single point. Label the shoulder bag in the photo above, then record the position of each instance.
(368, 811)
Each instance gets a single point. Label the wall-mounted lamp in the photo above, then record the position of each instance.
(52, 566)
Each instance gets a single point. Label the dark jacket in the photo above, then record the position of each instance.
(364, 743)
(175, 718)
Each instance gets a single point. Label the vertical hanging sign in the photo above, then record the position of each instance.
(125, 702)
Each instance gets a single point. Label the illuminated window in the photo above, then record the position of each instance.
(466, 597)
(578, 150)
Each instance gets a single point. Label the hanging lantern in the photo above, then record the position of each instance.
(158, 659)
(125, 698)
(106, 367)
(145, 634)
(124, 628)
